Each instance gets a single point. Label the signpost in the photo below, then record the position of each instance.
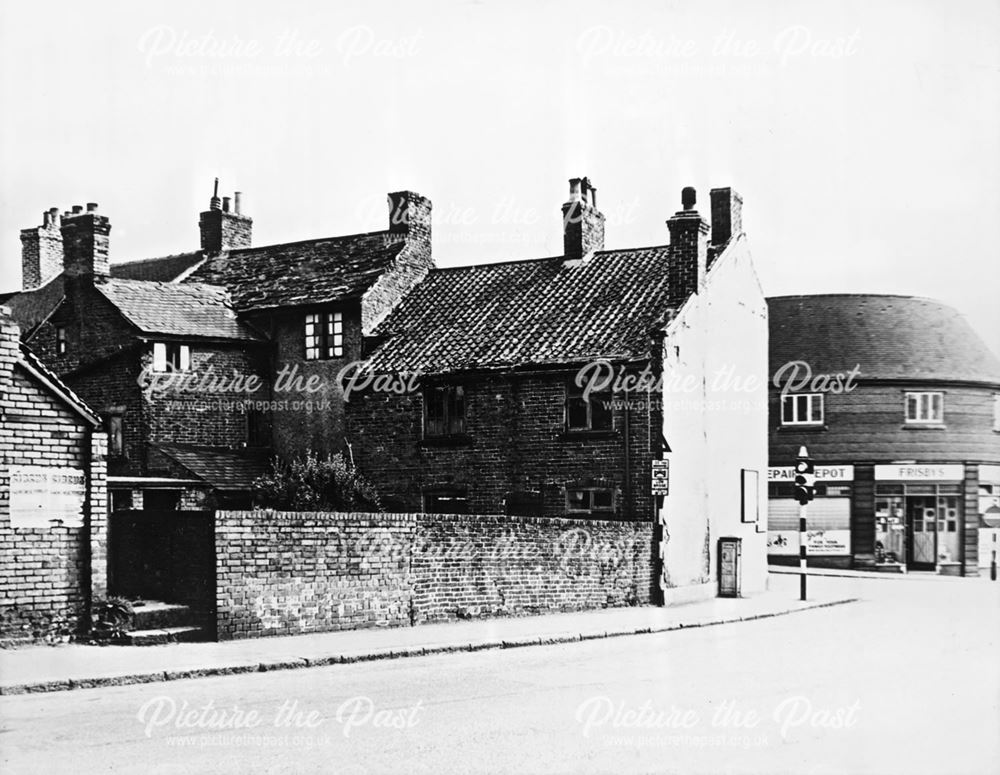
(660, 477)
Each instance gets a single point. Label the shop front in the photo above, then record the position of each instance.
(828, 517)
(919, 516)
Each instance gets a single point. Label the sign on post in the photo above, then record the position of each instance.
(661, 477)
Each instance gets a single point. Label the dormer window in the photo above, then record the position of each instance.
(62, 340)
(171, 356)
(324, 335)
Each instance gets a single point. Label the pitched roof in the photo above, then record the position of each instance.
(29, 308)
(534, 312)
(222, 468)
(188, 309)
(296, 273)
(48, 377)
(163, 269)
(887, 337)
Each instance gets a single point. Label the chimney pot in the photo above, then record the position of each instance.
(688, 197)
(91, 207)
(225, 204)
(77, 209)
(583, 223)
(45, 218)
(237, 201)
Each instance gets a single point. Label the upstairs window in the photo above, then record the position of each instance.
(802, 409)
(591, 502)
(170, 356)
(591, 413)
(444, 411)
(324, 335)
(446, 500)
(62, 340)
(925, 407)
(114, 424)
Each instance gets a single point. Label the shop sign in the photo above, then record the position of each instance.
(989, 474)
(823, 474)
(920, 473)
(818, 542)
(41, 494)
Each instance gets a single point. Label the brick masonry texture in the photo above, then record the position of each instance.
(286, 573)
(47, 575)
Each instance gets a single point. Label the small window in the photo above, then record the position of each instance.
(444, 411)
(62, 340)
(324, 335)
(590, 413)
(590, 501)
(925, 407)
(446, 501)
(802, 409)
(171, 356)
(115, 426)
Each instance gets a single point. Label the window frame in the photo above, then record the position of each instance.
(576, 393)
(164, 360)
(115, 449)
(593, 511)
(323, 335)
(917, 395)
(810, 405)
(453, 414)
(62, 339)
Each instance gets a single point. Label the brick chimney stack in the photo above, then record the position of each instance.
(410, 214)
(688, 250)
(86, 242)
(41, 251)
(583, 223)
(223, 228)
(727, 219)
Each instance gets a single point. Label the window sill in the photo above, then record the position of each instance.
(571, 435)
(924, 426)
(457, 440)
(804, 428)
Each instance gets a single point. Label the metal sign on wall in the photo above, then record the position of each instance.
(41, 494)
(661, 477)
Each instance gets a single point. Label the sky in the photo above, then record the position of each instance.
(864, 136)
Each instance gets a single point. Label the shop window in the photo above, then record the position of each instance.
(62, 340)
(802, 409)
(171, 356)
(925, 407)
(444, 411)
(590, 501)
(449, 500)
(324, 335)
(587, 413)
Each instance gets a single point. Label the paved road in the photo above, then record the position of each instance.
(906, 681)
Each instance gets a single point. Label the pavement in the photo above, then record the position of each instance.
(79, 666)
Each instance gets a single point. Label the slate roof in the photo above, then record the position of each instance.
(888, 337)
(188, 309)
(29, 308)
(537, 312)
(313, 271)
(163, 269)
(222, 468)
(60, 388)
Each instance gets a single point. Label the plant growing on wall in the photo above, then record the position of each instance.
(312, 483)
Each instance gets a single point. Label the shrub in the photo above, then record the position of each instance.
(113, 619)
(311, 483)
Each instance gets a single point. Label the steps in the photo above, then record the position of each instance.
(156, 623)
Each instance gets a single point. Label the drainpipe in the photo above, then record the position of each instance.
(87, 548)
(628, 459)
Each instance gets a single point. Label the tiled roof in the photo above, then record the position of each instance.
(29, 308)
(164, 269)
(887, 337)
(223, 469)
(528, 312)
(58, 386)
(310, 272)
(189, 309)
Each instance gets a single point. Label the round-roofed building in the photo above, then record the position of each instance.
(897, 400)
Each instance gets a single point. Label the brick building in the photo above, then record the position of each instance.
(53, 510)
(502, 422)
(898, 402)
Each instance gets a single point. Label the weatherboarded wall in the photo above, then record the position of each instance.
(281, 573)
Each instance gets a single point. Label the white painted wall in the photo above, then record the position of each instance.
(715, 421)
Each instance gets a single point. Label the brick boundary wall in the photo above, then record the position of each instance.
(283, 573)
